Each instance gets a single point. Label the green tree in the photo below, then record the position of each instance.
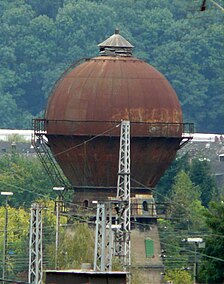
(171, 245)
(212, 269)
(186, 207)
(48, 8)
(76, 246)
(185, 218)
(178, 276)
(26, 177)
(164, 186)
(38, 40)
(18, 236)
(200, 174)
(17, 233)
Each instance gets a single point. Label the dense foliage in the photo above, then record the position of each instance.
(17, 246)
(178, 276)
(76, 246)
(26, 178)
(194, 211)
(76, 242)
(199, 173)
(187, 216)
(40, 39)
(212, 269)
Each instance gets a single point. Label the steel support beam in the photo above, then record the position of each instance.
(35, 245)
(123, 208)
(103, 238)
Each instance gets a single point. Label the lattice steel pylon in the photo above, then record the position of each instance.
(35, 246)
(123, 208)
(103, 238)
(116, 242)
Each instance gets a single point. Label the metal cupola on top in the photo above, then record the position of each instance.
(91, 98)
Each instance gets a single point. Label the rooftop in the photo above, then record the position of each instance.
(116, 45)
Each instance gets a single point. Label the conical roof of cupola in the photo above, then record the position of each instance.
(116, 40)
(116, 44)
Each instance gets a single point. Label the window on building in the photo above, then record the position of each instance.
(86, 203)
(145, 206)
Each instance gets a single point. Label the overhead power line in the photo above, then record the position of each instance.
(204, 7)
(87, 141)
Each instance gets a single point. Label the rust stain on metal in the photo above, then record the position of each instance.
(96, 162)
(94, 97)
(105, 89)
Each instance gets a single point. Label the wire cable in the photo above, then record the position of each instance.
(87, 141)
(82, 219)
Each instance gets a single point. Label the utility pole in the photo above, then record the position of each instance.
(115, 239)
(5, 243)
(195, 263)
(57, 233)
(123, 208)
(203, 5)
(103, 238)
(35, 246)
(197, 242)
(57, 209)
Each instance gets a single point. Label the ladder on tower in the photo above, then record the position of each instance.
(42, 149)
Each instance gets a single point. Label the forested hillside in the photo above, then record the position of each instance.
(39, 39)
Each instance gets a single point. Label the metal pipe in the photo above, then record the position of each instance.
(195, 263)
(5, 241)
(4, 260)
(57, 234)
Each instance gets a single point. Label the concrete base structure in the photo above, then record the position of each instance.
(148, 269)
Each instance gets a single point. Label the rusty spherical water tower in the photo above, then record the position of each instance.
(86, 106)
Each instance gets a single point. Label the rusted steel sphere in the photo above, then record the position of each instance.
(114, 88)
(89, 101)
(92, 99)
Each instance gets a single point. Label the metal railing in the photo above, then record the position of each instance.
(153, 210)
(110, 128)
